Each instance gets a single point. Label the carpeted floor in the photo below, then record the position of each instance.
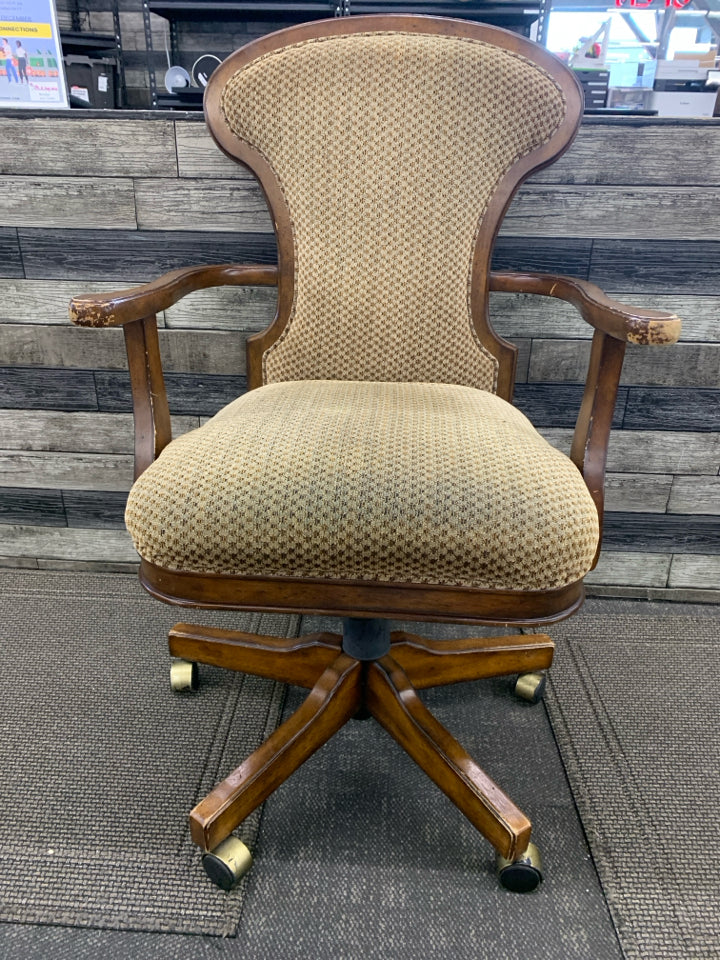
(358, 855)
(633, 701)
(102, 762)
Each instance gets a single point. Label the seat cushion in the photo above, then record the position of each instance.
(396, 482)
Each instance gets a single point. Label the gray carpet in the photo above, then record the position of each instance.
(101, 762)
(634, 704)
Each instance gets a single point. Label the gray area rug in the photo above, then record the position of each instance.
(101, 762)
(634, 703)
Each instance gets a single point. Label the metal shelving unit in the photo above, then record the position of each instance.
(512, 14)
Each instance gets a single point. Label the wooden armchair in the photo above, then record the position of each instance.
(376, 468)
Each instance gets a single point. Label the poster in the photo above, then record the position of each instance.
(31, 64)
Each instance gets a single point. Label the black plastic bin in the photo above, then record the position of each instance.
(93, 79)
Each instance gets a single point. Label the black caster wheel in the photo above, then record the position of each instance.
(530, 687)
(229, 861)
(522, 875)
(184, 675)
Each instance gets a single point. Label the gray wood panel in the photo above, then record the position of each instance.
(571, 256)
(73, 202)
(695, 571)
(43, 301)
(87, 148)
(613, 212)
(89, 255)
(657, 265)
(43, 507)
(525, 315)
(196, 351)
(222, 205)
(662, 533)
(680, 364)
(637, 492)
(246, 309)
(26, 388)
(63, 543)
(635, 451)
(558, 404)
(192, 394)
(66, 471)
(681, 156)
(96, 509)
(48, 430)
(199, 156)
(638, 569)
(695, 495)
(652, 408)
(11, 264)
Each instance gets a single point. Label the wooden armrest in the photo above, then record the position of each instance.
(631, 324)
(124, 306)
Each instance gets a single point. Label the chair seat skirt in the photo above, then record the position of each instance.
(353, 481)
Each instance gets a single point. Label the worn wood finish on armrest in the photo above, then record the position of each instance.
(124, 306)
(631, 324)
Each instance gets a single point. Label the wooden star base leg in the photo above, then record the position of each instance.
(341, 686)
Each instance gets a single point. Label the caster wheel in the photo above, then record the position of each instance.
(521, 875)
(183, 675)
(229, 861)
(530, 687)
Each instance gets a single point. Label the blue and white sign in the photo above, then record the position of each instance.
(31, 64)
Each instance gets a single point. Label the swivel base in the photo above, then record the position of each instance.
(381, 682)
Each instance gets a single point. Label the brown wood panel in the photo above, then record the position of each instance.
(221, 205)
(50, 146)
(642, 155)
(90, 202)
(639, 213)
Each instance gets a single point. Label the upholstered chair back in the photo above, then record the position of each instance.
(388, 157)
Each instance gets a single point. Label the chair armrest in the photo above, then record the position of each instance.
(124, 306)
(135, 310)
(615, 325)
(631, 324)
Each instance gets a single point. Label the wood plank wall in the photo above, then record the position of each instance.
(102, 203)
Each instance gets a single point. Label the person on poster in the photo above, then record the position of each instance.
(9, 65)
(22, 58)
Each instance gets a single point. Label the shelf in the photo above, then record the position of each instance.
(503, 12)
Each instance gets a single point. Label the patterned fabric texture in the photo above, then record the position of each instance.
(396, 482)
(388, 147)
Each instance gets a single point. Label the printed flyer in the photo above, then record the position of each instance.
(31, 64)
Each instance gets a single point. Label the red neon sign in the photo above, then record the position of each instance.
(639, 4)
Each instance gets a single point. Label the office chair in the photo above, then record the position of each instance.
(376, 469)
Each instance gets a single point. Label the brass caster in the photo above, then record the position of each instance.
(530, 687)
(183, 675)
(229, 861)
(521, 875)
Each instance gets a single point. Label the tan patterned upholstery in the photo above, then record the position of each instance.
(448, 484)
(386, 178)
